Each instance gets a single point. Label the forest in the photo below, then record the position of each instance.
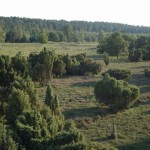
(74, 85)
(14, 29)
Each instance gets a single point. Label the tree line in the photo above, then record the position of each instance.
(14, 29)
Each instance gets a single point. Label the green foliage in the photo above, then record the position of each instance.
(51, 100)
(147, 72)
(102, 47)
(68, 31)
(42, 38)
(31, 125)
(113, 45)
(18, 102)
(135, 56)
(39, 74)
(20, 64)
(59, 68)
(42, 65)
(6, 136)
(119, 74)
(2, 35)
(56, 36)
(116, 44)
(7, 73)
(146, 54)
(91, 67)
(80, 57)
(117, 94)
(106, 59)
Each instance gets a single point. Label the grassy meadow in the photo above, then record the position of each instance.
(77, 100)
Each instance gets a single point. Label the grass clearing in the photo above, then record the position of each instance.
(77, 99)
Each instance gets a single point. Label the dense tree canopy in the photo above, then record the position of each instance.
(13, 29)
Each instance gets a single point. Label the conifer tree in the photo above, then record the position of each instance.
(49, 96)
(51, 100)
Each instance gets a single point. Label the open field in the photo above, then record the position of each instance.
(78, 102)
(63, 48)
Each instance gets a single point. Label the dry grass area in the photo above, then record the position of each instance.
(77, 100)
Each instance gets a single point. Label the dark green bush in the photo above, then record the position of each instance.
(91, 67)
(117, 94)
(146, 55)
(80, 57)
(119, 74)
(147, 72)
(135, 56)
(59, 68)
(106, 59)
(76, 71)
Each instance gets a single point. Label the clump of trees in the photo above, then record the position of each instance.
(113, 45)
(119, 74)
(137, 47)
(47, 64)
(14, 29)
(117, 94)
(135, 56)
(26, 121)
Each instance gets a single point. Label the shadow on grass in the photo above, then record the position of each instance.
(84, 84)
(143, 102)
(141, 145)
(85, 112)
(141, 80)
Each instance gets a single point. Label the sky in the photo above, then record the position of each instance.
(133, 12)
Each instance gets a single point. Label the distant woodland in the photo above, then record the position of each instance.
(14, 30)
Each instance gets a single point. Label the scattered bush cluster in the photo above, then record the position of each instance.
(117, 94)
(119, 74)
(47, 64)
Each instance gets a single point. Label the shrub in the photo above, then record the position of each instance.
(80, 57)
(119, 74)
(147, 72)
(76, 71)
(59, 68)
(106, 59)
(117, 94)
(91, 67)
(135, 56)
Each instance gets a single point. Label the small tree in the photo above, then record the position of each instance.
(51, 100)
(116, 44)
(59, 68)
(114, 132)
(117, 94)
(106, 59)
